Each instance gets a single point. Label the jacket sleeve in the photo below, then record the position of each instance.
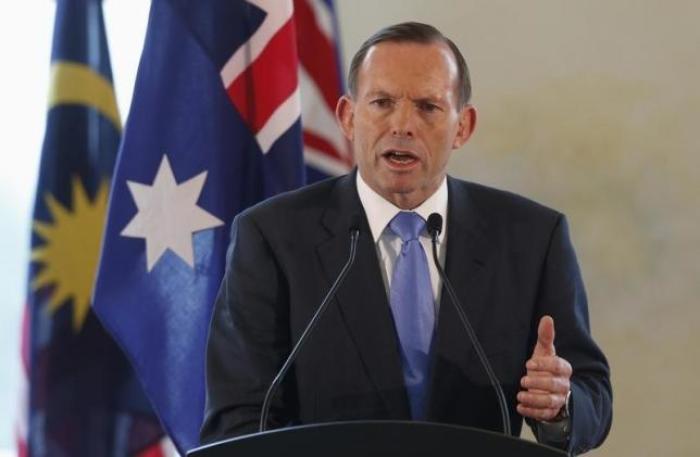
(248, 339)
(562, 296)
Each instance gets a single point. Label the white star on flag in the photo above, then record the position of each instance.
(168, 214)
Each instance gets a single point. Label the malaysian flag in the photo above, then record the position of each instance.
(214, 127)
(82, 398)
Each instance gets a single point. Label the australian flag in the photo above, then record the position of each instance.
(82, 396)
(214, 127)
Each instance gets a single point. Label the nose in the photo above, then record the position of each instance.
(402, 121)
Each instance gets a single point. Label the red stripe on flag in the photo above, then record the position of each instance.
(259, 90)
(22, 449)
(21, 429)
(155, 450)
(321, 144)
(317, 53)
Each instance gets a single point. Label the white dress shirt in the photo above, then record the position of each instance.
(380, 212)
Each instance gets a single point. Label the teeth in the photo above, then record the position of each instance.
(399, 156)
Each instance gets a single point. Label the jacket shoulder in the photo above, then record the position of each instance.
(298, 204)
(504, 205)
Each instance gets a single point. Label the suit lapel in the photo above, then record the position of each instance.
(362, 299)
(465, 266)
(467, 251)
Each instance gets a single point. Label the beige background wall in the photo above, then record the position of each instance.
(593, 107)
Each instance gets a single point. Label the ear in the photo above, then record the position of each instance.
(467, 124)
(345, 115)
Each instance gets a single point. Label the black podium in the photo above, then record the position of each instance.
(375, 438)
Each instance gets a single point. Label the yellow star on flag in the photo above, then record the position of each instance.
(70, 253)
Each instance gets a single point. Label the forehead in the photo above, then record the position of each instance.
(408, 66)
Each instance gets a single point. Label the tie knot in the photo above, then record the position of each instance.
(407, 225)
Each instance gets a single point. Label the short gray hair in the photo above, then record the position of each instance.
(412, 32)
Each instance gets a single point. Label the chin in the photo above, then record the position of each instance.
(399, 188)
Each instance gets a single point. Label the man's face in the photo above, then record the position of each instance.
(405, 119)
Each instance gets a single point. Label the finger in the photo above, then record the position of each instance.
(554, 365)
(547, 384)
(541, 400)
(545, 338)
(537, 413)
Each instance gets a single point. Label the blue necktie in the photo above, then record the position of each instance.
(411, 300)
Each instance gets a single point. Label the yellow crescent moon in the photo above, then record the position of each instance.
(77, 84)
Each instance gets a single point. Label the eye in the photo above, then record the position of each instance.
(383, 102)
(428, 107)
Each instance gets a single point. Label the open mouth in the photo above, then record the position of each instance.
(400, 157)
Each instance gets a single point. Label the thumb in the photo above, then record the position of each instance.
(545, 338)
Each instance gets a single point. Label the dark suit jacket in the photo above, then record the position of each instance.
(509, 259)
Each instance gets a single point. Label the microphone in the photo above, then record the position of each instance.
(354, 237)
(434, 226)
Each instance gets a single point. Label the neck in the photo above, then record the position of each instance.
(407, 201)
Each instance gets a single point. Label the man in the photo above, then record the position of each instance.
(391, 346)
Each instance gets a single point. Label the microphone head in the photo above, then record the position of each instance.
(355, 221)
(434, 224)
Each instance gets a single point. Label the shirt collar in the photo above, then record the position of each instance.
(380, 211)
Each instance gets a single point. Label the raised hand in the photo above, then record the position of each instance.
(547, 382)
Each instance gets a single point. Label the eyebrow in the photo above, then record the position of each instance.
(379, 93)
(427, 99)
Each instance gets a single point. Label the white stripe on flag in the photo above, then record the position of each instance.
(323, 162)
(284, 117)
(317, 117)
(167, 447)
(324, 18)
(278, 13)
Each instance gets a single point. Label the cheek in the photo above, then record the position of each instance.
(441, 143)
(366, 137)
(362, 148)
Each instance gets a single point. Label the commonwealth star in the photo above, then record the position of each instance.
(168, 214)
